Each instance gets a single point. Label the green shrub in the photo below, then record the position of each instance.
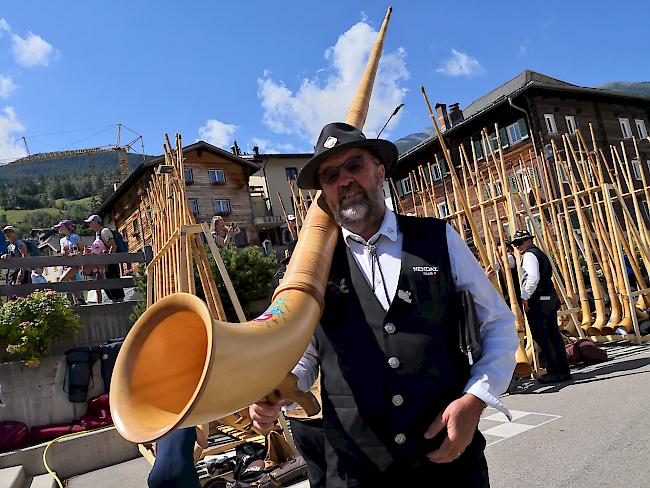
(30, 323)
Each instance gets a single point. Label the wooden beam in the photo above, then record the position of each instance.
(68, 286)
(32, 262)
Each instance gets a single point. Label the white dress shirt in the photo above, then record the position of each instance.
(491, 374)
(529, 275)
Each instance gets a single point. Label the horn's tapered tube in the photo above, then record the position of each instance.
(179, 367)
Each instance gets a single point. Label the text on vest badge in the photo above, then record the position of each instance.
(426, 270)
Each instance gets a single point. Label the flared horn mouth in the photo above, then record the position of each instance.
(168, 349)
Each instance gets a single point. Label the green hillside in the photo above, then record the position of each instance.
(36, 193)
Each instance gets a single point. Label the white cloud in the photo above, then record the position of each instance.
(266, 146)
(461, 64)
(7, 86)
(10, 147)
(32, 50)
(217, 133)
(523, 48)
(326, 97)
(4, 26)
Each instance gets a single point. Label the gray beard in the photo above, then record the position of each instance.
(364, 212)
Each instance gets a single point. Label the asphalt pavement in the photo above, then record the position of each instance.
(591, 432)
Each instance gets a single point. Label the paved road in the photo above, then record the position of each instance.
(601, 438)
(592, 432)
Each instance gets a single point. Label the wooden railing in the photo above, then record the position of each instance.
(33, 262)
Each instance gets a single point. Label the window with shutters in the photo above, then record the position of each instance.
(517, 132)
(189, 176)
(522, 176)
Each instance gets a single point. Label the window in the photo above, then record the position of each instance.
(640, 128)
(571, 124)
(292, 173)
(532, 227)
(136, 227)
(636, 169)
(533, 177)
(563, 176)
(443, 209)
(551, 127)
(221, 207)
(435, 170)
(217, 177)
(506, 229)
(194, 206)
(625, 128)
(498, 188)
(517, 132)
(646, 210)
(189, 176)
(478, 148)
(406, 185)
(522, 176)
(512, 182)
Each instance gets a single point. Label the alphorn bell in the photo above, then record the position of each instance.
(179, 367)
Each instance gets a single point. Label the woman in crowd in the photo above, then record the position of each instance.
(69, 246)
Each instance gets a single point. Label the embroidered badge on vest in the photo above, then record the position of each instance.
(405, 295)
(426, 270)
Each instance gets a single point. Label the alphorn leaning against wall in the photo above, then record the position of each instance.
(178, 367)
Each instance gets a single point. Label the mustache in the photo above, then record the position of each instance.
(352, 187)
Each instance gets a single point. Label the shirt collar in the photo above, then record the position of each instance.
(387, 229)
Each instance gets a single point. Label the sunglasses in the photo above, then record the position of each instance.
(352, 165)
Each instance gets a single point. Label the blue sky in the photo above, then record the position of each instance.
(272, 73)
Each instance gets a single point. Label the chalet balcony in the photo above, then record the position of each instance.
(269, 220)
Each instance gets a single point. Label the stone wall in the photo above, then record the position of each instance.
(36, 396)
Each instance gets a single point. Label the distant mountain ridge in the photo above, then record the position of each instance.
(633, 87)
(102, 162)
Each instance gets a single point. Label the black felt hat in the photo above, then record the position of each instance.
(336, 137)
(520, 236)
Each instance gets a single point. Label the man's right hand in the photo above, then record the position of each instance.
(264, 416)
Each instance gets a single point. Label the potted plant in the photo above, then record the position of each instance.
(28, 324)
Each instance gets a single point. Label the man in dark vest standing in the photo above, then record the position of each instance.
(541, 303)
(401, 403)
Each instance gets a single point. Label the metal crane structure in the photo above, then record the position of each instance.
(122, 151)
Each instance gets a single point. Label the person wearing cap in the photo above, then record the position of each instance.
(105, 235)
(15, 249)
(541, 304)
(69, 246)
(401, 403)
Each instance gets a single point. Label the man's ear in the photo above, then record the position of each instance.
(381, 171)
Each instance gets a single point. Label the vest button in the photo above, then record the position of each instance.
(390, 328)
(393, 362)
(398, 400)
(400, 439)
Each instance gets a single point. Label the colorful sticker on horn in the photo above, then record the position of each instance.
(277, 309)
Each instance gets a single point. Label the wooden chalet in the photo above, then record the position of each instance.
(531, 110)
(217, 184)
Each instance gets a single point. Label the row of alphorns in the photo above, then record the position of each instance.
(611, 237)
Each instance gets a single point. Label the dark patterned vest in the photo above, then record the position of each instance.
(386, 375)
